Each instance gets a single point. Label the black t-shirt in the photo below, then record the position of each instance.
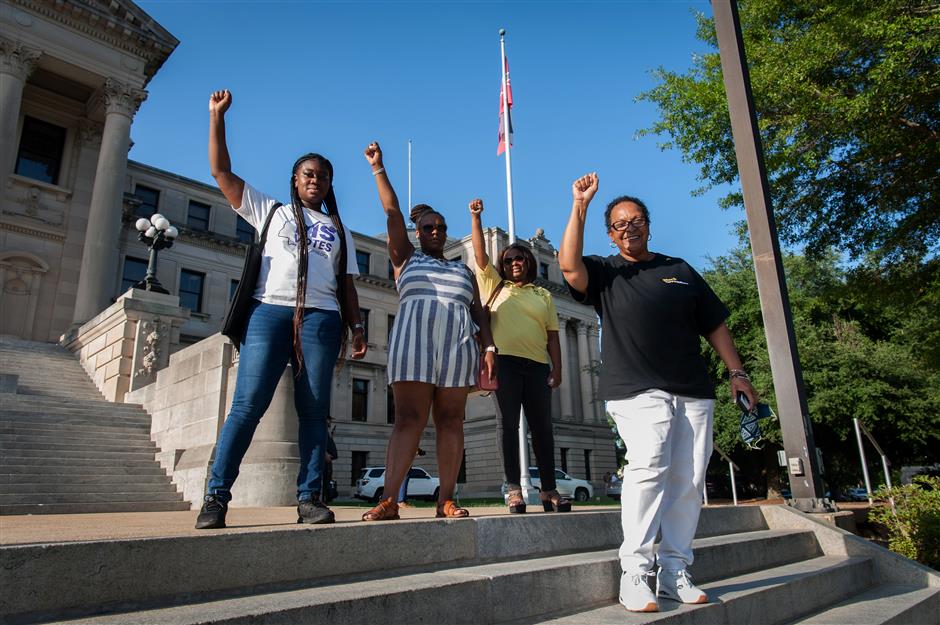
(652, 315)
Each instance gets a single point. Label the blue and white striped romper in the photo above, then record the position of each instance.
(433, 336)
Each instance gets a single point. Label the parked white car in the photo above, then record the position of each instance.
(570, 487)
(371, 484)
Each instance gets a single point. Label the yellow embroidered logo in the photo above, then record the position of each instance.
(674, 281)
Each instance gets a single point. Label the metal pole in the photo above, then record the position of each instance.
(886, 464)
(861, 453)
(734, 488)
(704, 493)
(409, 174)
(524, 482)
(805, 481)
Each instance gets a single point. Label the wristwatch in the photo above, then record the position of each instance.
(491, 348)
(357, 326)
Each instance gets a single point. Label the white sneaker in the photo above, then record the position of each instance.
(635, 593)
(677, 585)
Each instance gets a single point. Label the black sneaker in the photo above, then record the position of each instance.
(314, 511)
(212, 515)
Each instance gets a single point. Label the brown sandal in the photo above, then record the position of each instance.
(450, 510)
(552, 501)
(387, 510)
(515, 500)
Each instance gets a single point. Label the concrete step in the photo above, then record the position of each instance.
(93, 497)
(91, 508)
(280, 559)
(71, 434)
(54, 489)
(76, 420)
(888, 604)
(77, 406)
(65, 444)
(12, 454)
(8, 479)
(42, 469)
(768, 597)
(10, 401)
(69, 464)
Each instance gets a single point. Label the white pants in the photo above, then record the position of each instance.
(669, 441)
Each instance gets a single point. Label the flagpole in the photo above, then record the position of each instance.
(524, 482)
(409, 174)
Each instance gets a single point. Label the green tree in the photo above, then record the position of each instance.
(859, 357)
(847, 94)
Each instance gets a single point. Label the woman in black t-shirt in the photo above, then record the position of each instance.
(653, 309)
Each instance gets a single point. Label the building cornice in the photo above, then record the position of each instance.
(31, 232)
(118, 23)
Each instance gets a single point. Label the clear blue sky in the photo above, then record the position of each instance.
(330, 77)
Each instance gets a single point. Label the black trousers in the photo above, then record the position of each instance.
(523, 383)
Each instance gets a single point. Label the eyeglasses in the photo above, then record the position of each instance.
(620, 226)
(513, 259)
(429, 228)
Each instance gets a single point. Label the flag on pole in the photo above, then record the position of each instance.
(504, 84)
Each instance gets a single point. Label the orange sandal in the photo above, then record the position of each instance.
(450, 510)
(387, 510)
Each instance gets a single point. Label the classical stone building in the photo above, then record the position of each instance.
(72, 75)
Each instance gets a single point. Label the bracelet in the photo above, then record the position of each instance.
(739, 373)
(378, 171)
(491, 348)
(357, 326)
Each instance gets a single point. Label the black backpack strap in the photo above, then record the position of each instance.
(267, 222)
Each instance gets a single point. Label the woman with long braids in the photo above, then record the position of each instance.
(303, 301)
(432, 355)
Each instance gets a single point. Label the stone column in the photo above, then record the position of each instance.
(594, 355)
(99, 257)
(567, 375)
(584, 363)
(16, 64)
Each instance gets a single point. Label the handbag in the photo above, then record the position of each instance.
(484, 383)
(236, 318)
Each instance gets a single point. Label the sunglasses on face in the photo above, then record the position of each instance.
(513, 259)
(621, 226)
(429, 228)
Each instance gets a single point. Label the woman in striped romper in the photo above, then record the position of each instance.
(432, 355)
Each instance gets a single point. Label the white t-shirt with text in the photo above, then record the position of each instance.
(277, 280)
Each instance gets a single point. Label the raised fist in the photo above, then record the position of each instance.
(476, 206)
(219, 101)
(374, 154)
(584, 188)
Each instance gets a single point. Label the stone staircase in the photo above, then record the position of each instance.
(760, 565)
(63, 448)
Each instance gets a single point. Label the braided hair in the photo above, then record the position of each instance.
(303, 257)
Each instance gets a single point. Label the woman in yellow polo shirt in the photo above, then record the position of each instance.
(525, 330)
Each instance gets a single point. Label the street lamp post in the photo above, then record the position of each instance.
(157, 234)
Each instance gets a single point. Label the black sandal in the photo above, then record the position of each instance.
(554, 502)
(516, 501)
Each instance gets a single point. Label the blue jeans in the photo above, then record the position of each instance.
(265, 350)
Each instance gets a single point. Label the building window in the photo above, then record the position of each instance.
(587, 464)
(198, 216)
(563, 451)
(149, 199)
(360, 400)
(135, 270)
(360, 460)
(462, 474)
(232, 287)
(391, 270)
(543, 271)
(191, 284)
(364, 314)
(41, 149)
(390, 406)
(362, 259)
(391, 325)
(244, 230)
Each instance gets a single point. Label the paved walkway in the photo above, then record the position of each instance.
(54, 528)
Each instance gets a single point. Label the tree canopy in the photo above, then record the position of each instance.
(847, 94)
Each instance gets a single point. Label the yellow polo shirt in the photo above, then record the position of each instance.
(520, 318)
